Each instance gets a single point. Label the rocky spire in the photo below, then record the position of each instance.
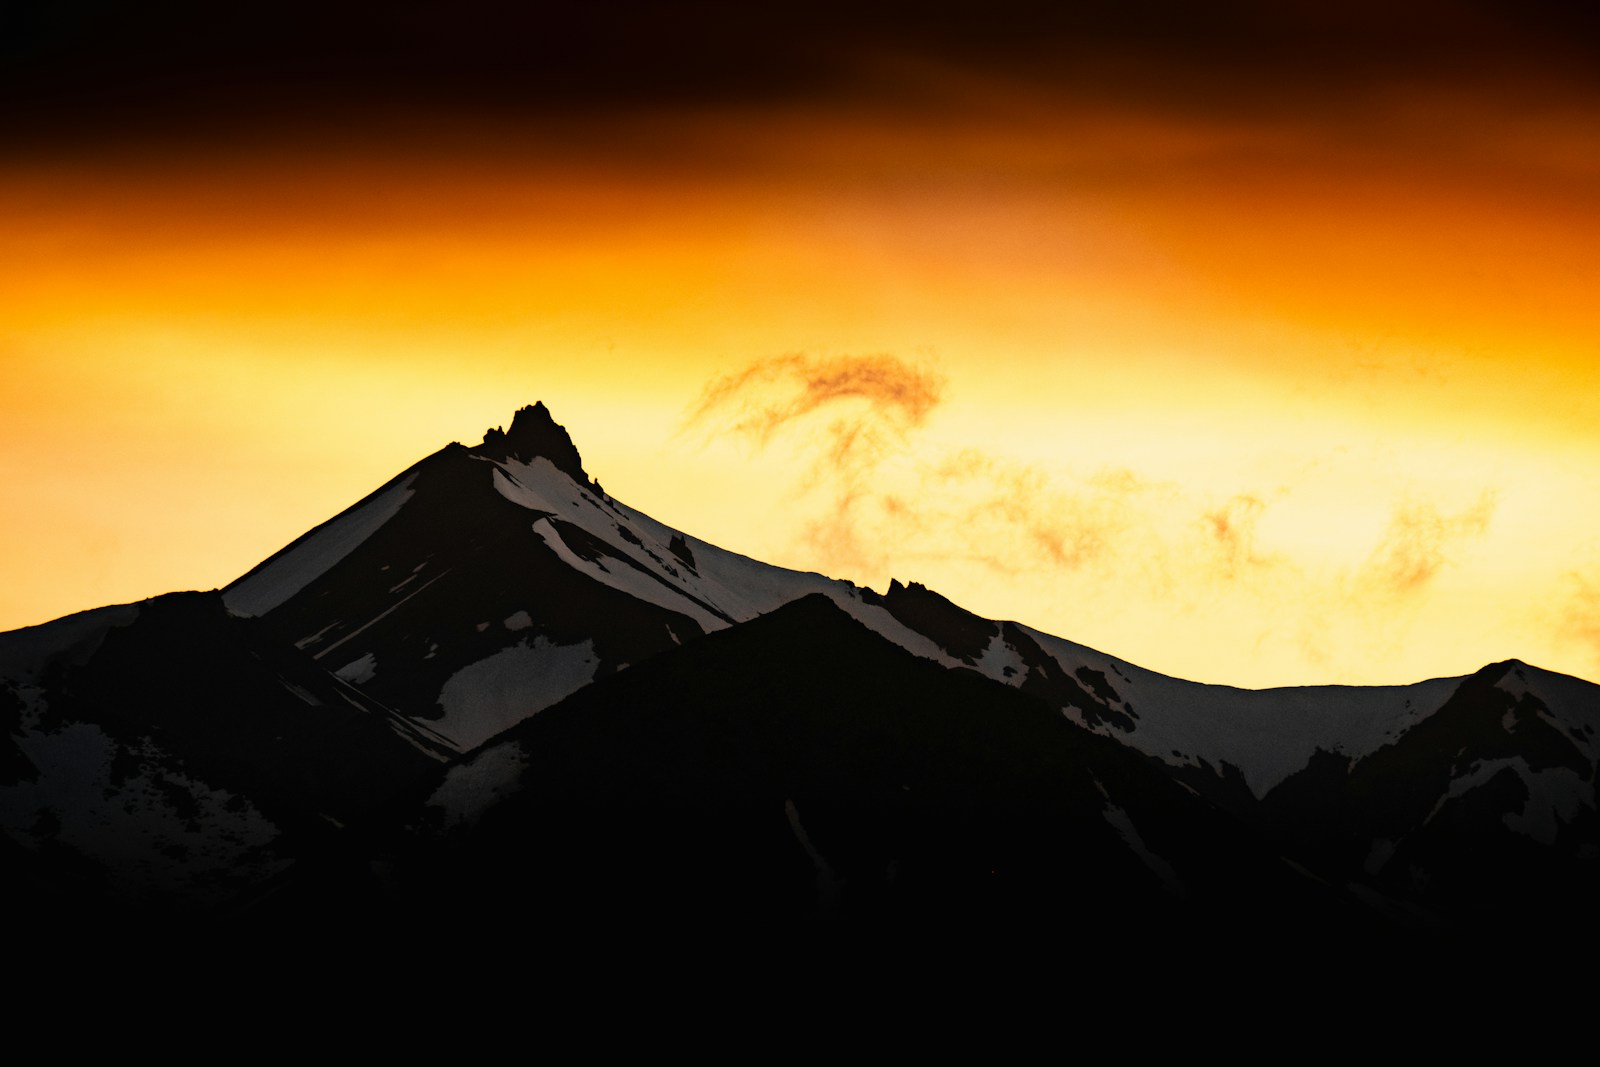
(534, 433)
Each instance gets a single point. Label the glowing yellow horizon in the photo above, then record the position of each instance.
(1232, 405)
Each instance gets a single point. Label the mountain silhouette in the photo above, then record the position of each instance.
(488, 689)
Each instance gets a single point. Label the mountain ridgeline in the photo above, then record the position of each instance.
(491, 692)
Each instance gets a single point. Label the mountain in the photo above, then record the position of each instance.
(491, 694)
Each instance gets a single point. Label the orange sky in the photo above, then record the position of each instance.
(1274, 383)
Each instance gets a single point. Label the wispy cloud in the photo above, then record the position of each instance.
(1420, 541)
(850, 412)
(1231, 528)
(878, 498)
(849, 415)
(1041, 521)
(1580, 616)
(774, 392)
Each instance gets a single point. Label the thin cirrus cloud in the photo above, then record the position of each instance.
(1579, 618)
(849, 416)
(771, 393)
(996, 502)
(865, 408)
(1232, 527)
(1420, 540)
(880, 498)
(877, 496)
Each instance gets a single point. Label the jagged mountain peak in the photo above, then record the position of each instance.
(534, 433)
(453, 633)
(955, 629)
(912, 591)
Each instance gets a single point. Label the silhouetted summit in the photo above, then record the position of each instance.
(534, 433)
(487, 689)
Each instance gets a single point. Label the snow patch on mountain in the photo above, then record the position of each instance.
(477, 783)
(1574, 709)
(1002, 662)
(1555, 796)
(722, 586)
(1514, 682)
(886, 625)
(1478, 774)
(303, 562)
(311, 639)
(157, 831)
(1123, 824)
(489, 696)
(359, 670)
(537, 485)
(1267, 733)
(627, 579)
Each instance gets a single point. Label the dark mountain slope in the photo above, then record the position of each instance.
(799, 777)
(489, 579)
(431, 590)
(1483, 812)
(716, 751)
(183, 757)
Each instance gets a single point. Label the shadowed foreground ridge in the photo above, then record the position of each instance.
(798, 777)
(489, 696)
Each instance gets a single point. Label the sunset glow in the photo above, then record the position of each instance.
(1253, 387)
